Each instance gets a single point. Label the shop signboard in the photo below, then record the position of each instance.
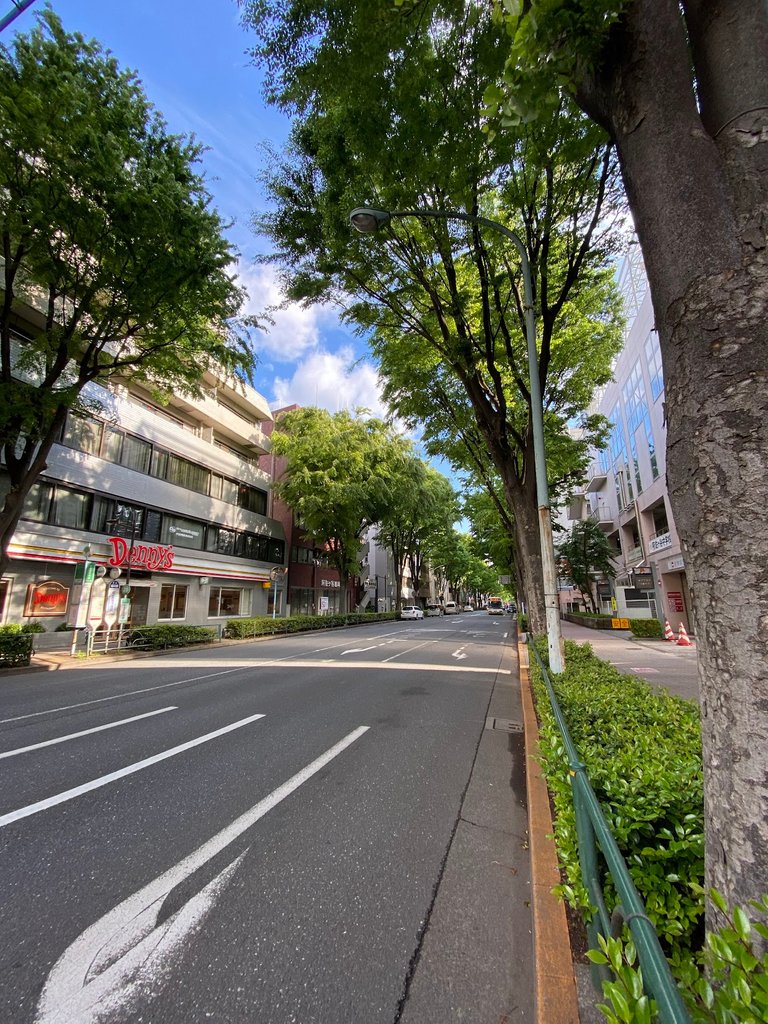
(675, 599)
(46, 599)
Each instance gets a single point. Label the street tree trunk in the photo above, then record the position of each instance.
(696, 173)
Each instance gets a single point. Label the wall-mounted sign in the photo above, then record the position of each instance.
(330, 583)
(49, 598)
(675, 563)
(661, 541)
(144, 556)
(675, 599)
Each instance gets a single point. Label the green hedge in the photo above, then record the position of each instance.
(646, 627)
(155, 638)
(15, 647)
(266, 626)
(642, 751)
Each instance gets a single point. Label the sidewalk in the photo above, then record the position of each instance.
(659, 662)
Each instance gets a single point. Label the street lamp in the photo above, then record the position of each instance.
(368, 221)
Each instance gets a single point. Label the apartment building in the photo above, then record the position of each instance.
(149, 514)
(626, 492)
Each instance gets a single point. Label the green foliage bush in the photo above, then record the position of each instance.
(646, 627)
(15, 646)
(522, 622)
(156, 638)
(642, 751)
(725, 983)
(263, 625)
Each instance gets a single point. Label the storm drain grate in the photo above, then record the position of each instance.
(503, 725)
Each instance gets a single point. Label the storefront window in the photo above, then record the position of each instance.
(224, 601)
(173, 601)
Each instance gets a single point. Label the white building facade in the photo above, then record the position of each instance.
(166, 504)
(626, 492)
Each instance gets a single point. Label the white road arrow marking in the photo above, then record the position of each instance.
(359, 650)
(458, 654)
(124, 954)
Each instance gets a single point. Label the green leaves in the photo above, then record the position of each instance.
(338, 477)
(110, 244)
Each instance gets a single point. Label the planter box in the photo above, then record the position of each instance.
(590, 621)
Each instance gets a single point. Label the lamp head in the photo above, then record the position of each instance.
(368, 221)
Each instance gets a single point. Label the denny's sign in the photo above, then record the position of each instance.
(140, 556)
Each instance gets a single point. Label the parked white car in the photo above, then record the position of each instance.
(451, 608)
(433, 609)
(411, 612)
(469, 608)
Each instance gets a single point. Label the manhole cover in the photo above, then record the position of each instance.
(503, 725)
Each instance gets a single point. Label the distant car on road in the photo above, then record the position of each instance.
(433, 609)
(451, 608)
(469, 608)
(411, 612)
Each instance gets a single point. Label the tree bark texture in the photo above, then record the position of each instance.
(696, 173)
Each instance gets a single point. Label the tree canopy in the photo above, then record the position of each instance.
(340, 472)
(114, 265)
(404, 130)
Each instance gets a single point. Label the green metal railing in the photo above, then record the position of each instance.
(595, 836)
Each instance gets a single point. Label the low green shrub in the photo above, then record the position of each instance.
(155, 638)
(33, 627)
(646, 627)
(725, 983)
(522, 622)
(264, 625)
(642, 751)
(15, 647)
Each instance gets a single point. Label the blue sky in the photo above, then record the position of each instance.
(190, 56)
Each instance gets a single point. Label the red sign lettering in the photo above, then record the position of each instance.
(143, 556)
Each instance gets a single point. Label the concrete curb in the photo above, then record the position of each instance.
(555, 985)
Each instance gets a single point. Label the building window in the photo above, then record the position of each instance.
(83, 434)
(252, 499)
(37, 504)
(173, 601)
(71, 508)
(224, 601)
(653, 359)
(187, 533)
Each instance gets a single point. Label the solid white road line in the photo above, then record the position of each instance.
(116, 959)
(85, 732)
(70, 794)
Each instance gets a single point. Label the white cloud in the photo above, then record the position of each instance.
(295, 330)
(333, 381)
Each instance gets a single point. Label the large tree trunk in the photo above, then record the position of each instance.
(697, 181)
(24, 470)
(522, 501)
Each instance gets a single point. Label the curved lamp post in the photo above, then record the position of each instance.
(368, 221)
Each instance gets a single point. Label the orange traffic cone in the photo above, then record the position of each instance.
(668, 634)
(682, 638)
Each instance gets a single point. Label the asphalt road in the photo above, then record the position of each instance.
(254, 833)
